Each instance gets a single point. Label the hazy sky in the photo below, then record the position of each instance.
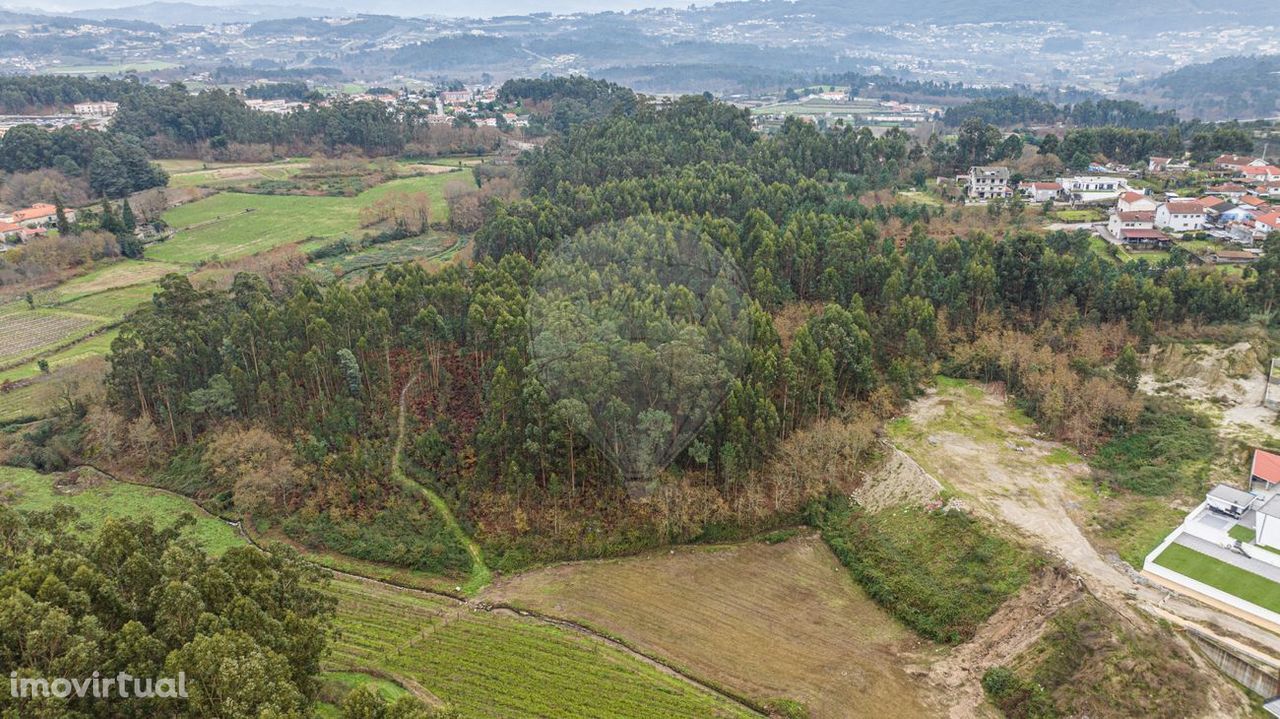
(473, 8)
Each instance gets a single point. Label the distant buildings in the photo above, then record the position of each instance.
(95, 109)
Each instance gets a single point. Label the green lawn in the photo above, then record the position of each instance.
(1220, 575)
(232, 224)
(495, 666)
(1242, 533)
(1077, 216)
(429, 246)
(101, 498)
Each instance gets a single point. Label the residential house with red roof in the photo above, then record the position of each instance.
(1040, 191)
(1136, 202)
(1180, 216)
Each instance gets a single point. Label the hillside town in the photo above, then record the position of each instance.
(1221, 219)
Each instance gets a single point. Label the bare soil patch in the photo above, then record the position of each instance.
(769, 621)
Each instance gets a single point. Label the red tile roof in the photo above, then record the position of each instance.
(1143, 235)
(1184, 208)
(35, 211)
(1266, 466)
(1133, 196)
(1271, 220)
(1137, 216)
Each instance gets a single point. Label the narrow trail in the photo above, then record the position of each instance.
(480, 573)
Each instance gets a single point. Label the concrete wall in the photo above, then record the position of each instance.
(1259, 677)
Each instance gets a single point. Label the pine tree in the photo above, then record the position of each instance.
(127, 219)
(64, 227)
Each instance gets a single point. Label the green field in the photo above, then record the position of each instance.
(231, 224)
(219, 175)
(26, 334)
(114, 275)
(113, 304)
(96, 346)
(149, 66)
(431, 246)
(1220, 575)
(97, 497)
(497, 666)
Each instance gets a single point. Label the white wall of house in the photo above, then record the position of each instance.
(1268, 530)
(1178, 221)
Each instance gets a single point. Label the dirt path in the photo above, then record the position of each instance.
(979, 450)
(480, 574)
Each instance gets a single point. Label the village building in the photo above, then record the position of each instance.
(1121, 221)
(1040, 191)
(1260, 173)
(1144, 239)
(1136, 202)
(1093, 188)
(1268, 223)
(1180, 216)
(95, 109)
(988, 182)
(1236, 163)
(1230, 190)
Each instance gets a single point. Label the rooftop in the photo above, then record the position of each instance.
(1266, 466)
(1231, 494)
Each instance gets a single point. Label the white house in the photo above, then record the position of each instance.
(1268, 223)
(1230, 500)
(1180, 216)
(1136, 202)
(96, 109)
(1040, 191)
(1093, 188)
(1266, 525)
(1121, 221)
(988, 182)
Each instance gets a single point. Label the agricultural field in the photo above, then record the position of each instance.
(119, 69)
(113, 304)
(121, 273)
(497, 665)
(230, 224)
(783, 622)
(221, 176)
(96, 346)
(434, 246)
(26, 333)
(97, 497)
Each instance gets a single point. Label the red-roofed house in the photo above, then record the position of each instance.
(1135, 202)
(1121, 221)
(1261, 173)
(1230, 190)
(1265, 471)
(1235, 163)
(1158, 164)
(1180, 216)
(1040, 191)
(38, 215)
(1268, 223)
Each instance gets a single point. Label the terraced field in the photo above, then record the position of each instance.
(96, 346)
(231, 224)
(499, 666)
(25, 333)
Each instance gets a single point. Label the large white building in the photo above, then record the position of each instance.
(1121, 221)
(988, 182)
(1180, 216)
(1093, 188)
(1136, 202)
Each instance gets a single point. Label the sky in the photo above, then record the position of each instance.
(468, 8)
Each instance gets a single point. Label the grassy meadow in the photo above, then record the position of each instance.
(97, 498)
(231, 225)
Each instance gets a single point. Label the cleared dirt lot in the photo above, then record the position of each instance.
(769, 621)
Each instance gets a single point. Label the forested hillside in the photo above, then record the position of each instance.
(283, 405)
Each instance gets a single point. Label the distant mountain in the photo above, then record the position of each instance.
(174, 13)
(1246, 87)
